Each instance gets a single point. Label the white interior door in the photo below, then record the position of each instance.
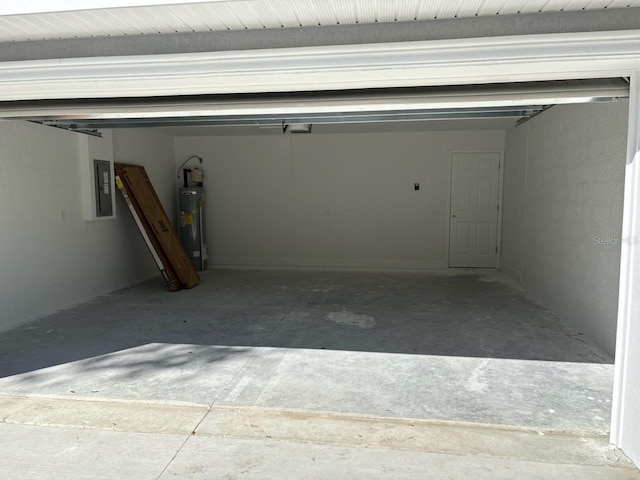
(473, 231)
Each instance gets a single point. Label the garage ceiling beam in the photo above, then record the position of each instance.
(338, 67)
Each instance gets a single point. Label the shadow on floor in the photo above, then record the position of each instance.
(421, 314)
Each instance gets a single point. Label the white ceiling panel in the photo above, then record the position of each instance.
(192, 21)
(387, 11)
(465, 8)
(495, 7)
(432, 10)
(245, 15)
(102, 23)
(200, 16)
(287, 12)
(49, 6)
(362, 11)
(90, 26)
(209, 15)
(350, 13)
(619, 4)
(269, 18)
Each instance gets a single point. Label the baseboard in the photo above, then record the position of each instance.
(325, 264)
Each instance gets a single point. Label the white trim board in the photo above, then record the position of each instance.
(625, 416)
(399, 64)
(47, 6)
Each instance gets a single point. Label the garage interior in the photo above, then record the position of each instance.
(330, 289)
(420, 223)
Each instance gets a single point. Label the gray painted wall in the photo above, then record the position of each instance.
(331, 200)
(562, 216)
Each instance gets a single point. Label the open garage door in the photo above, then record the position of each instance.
(516, 100)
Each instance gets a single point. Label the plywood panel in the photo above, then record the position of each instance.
(140, 188)
(167, 271)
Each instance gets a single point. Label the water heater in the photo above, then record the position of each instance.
(191, 211)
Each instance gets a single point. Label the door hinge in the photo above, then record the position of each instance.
(498, 207)
(496, 249)
(499, 165)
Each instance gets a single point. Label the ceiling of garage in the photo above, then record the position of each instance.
(176, 17)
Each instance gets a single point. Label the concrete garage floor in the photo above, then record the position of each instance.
(374, 374)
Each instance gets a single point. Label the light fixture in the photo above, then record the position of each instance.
(298, 128)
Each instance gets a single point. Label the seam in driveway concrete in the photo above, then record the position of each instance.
(265, 343)
(183, 444)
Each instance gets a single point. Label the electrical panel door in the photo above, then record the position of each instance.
(104, 205)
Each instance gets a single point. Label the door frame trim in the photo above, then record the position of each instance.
(629, 274)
